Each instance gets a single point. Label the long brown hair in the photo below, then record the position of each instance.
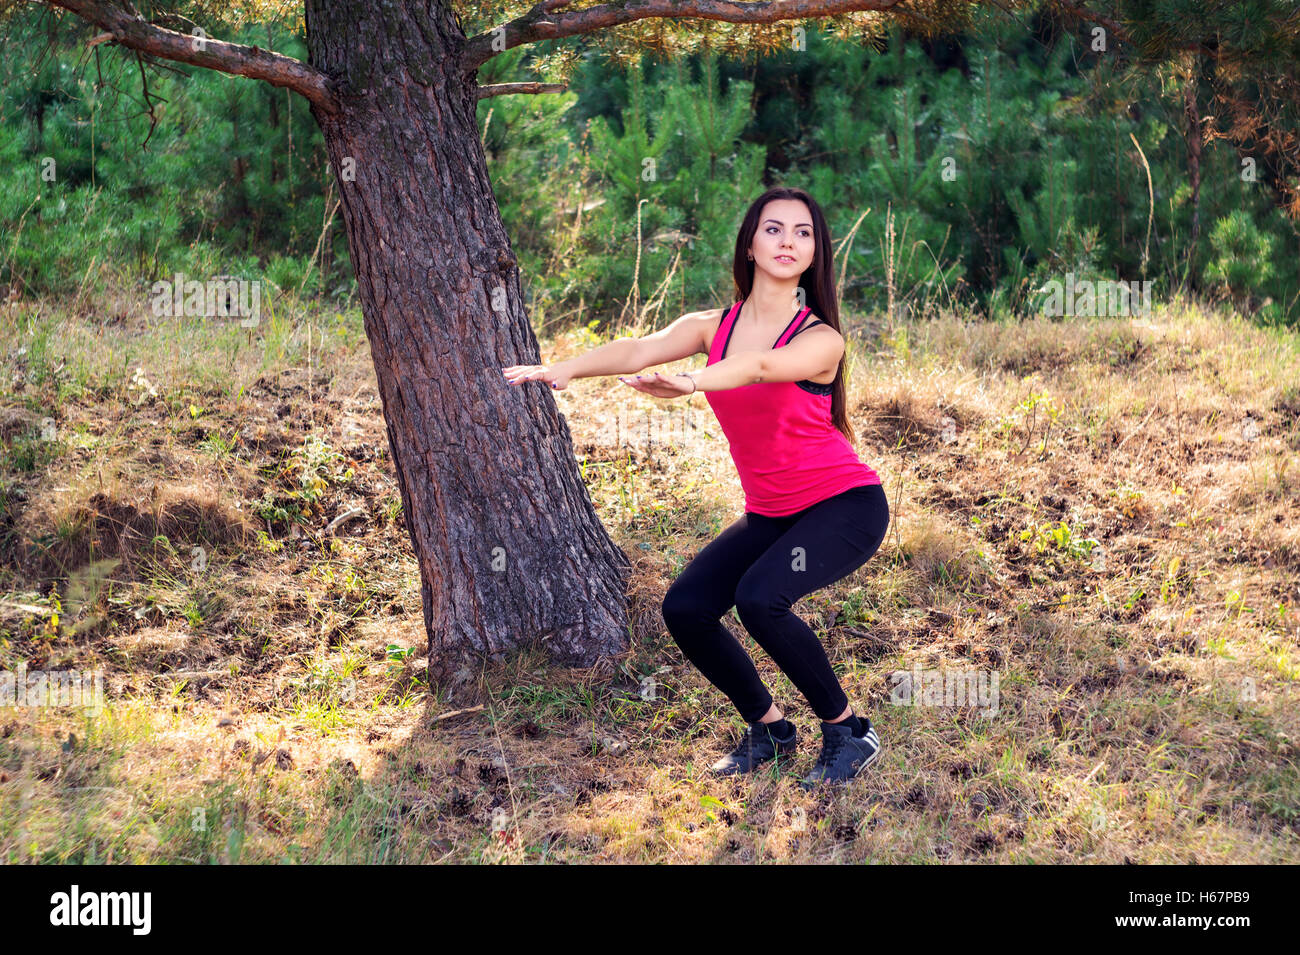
(817, 282)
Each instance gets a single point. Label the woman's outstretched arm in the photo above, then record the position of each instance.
(684, 337)
(619, 356)
(734, 372)
(681, 338)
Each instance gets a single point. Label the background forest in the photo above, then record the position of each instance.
(968, 170)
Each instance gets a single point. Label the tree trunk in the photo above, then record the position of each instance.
(510, 549)
(1192, 115)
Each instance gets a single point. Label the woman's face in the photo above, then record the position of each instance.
(783, 244)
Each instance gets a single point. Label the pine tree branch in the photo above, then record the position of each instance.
(501, 89)
(539, 24)
(1119, 33)
(136, 33)
(1114, 26)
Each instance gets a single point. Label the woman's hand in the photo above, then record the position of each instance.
(661, 385)
(553, 376)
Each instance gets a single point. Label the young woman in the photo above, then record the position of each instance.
(814, 512)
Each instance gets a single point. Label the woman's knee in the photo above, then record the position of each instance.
(756, 597)
(680, 607)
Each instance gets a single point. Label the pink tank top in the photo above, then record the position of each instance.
(787, 450)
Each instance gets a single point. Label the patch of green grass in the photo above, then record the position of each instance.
(545, 703)
(29, 453)
(1059, 538)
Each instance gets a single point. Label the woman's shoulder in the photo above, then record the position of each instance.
(713, 313)
(708, 314)
(711, 318)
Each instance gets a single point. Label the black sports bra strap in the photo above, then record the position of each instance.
(805, 328)
(734, 314)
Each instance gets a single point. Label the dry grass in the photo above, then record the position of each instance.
(264, 681)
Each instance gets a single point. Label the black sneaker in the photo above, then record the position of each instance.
(756, 747)
(843, 755)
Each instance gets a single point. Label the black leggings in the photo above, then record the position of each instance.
(761, 566)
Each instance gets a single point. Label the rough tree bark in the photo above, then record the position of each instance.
(510, 549)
